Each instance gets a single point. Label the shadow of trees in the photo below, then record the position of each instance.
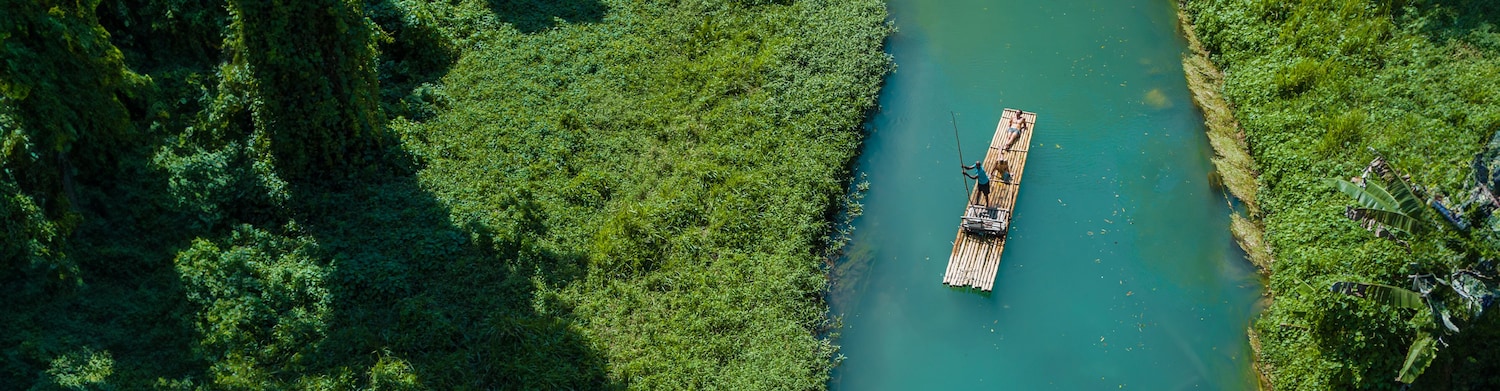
(190, 36)
(130, 302)
(457, 303)
(456, 300)
(531, 16)
(125, 298)
(121, 226)
(1469, 362)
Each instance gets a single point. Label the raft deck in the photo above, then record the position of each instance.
(976, 258)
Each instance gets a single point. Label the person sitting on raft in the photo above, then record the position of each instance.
(1013, 129)
(1004, 169)
(980, 176)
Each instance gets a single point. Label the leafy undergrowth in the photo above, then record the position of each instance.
(1315, 84)
(584, 195)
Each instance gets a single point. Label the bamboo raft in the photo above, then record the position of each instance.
(976, 257)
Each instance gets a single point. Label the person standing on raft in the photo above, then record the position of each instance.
(980, 176)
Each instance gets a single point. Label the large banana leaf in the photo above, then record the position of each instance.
(1371, 197)
(1379, 293)
(1406, 200)
(1401, 193)
(1399, 209)
(1425, 284)
(1405, 223)
(1304, 289)
(1421, 354)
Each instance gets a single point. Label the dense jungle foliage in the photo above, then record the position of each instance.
(1317, 85)
(407, 194)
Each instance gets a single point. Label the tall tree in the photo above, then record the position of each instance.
(311, 65)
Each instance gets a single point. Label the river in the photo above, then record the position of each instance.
(1120, 272)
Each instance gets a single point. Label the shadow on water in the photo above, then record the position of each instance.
(531, 16)
(848, 276)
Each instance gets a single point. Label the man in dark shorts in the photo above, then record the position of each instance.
(982, 177)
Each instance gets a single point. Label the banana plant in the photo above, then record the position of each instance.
(1424, 349)
(1476, 292)
(1386, 200)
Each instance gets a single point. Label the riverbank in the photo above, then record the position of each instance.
(1234, 168)
(1314, 85)
(1232, 163)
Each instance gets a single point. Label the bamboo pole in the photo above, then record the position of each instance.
(960, 145)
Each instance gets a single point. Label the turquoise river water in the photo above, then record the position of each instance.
(1120, 272)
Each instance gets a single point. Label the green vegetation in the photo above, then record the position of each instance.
(399, 194)
(1315, 85)
(1388, 202)
(1432, 310)
(314, 91)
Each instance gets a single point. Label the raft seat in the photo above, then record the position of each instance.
(983, 220)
